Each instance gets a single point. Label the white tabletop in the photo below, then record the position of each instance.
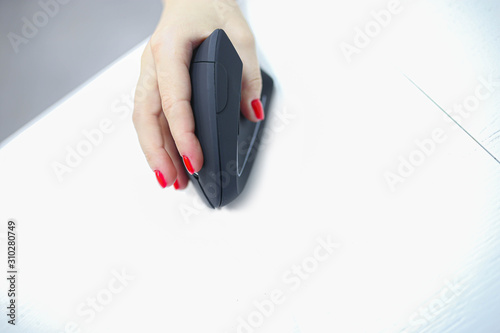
(320, 241)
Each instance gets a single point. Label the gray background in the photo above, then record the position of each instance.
(79, 40)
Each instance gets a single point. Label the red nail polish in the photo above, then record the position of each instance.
(176, 185)
(160, 178)
(258, 109)
(188, 165)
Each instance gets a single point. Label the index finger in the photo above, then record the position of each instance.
(172, 56)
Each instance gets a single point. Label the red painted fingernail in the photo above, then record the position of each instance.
(188, 165)
(258, 109)
(176, 185)
(160, 178)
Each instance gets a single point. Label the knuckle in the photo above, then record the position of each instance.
(168, 104)
(135, 116)
(255, 82)
(244, 37)
(167, 35)
(171, 105)
(157, 40)
(155, 44)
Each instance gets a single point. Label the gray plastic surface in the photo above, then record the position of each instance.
(229, 141)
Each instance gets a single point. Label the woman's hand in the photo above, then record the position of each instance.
(162, 113)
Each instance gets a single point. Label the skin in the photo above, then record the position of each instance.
(162, 116)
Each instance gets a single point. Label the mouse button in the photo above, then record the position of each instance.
(221, 87)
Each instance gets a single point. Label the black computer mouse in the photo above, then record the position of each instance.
(228, 140)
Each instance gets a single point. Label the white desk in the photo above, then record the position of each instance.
(423, 257)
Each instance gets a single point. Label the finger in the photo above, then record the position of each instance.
(146, 118)
(182, 179)
(172, 55)
(251, 83)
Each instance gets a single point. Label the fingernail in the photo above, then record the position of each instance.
(258, 109)
(160, 178)
(176, 185)
(188, 165)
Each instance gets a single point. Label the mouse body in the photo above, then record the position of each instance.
(228, 140)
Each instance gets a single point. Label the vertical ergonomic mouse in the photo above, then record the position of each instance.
(228, 140)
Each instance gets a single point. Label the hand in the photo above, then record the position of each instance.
(162, 112)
